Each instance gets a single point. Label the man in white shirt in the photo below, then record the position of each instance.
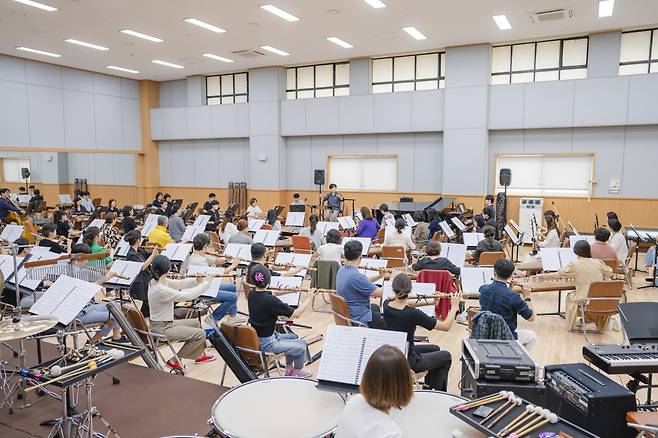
(618, 240)
(86, 202)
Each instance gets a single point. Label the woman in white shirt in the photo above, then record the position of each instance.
(552, 239)
(332, 250)
(228, 229)
(272, 220)
(387, 384)
(253, 210)
(400, 237)
(618, 240)
(313, 232)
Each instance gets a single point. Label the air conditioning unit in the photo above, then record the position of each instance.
(248, 53)
(554, 15)
(529, 208)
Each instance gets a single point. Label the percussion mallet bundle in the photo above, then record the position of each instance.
(548, 418)
(530, 409)
(485, 401)
(511, 401)
(517, 402)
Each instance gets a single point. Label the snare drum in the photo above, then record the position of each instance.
(428, 414)
(277, 406)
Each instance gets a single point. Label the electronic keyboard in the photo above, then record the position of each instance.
(623, 359)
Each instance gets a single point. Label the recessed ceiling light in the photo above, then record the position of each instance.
(141, 35)
(502, 22)
(204, 25)
(275, 50)
(415, 33)
(339, 42)
(279, 12)
(127, 70)
(38, 52)
(167, 64)
(38, 5)
(218, 58)
(606, 7)
(82, 43)
(375, 3)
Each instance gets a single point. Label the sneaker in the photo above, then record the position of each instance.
(204, 358)
(288, 371)
(210, 321)
(236, 319)
(122, 340)
(304, 373)
(174, 366)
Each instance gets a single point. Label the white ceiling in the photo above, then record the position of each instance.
(371, 31)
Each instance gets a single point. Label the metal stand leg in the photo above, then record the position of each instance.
(559, 308)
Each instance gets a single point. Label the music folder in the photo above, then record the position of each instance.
(579, 237)
(122, 249)
(255, 224)
(472, 239)
(455, 252)
(514, 237)
(177, 252)
(555, 259)
(346, 352)
(24, 280)
(447, 230)
(267, 237)
(292, 298)
(458, 223)
(409, 220)
(12, 232)
(472, 278)
(125, 269)
(295, 219)
(346, 222)
(365, 241)
(241, 250)
(149, 224)
(65, 298)
(294, 259)
(325, 227)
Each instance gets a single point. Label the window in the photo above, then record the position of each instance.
(364, 172)
(320, 80)
(408, 73)
(229, 88)
(548, 175)
(539, 61)
(639, 52)
(11, 169)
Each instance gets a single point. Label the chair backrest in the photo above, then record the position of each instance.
(394, 255)
(266, 227)
(379, 238)
(244, 337)
(604, 298)
(137, 320)
(489, 258)
(613, 263)
(246, 287)
(97, 201)
(436, 237)
(302, 244)
(214, 238)
(340, 309)
(632, 248)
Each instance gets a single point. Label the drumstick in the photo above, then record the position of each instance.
(510, 399)
(552, 418)
(492, 398)
(528, 410)
(517, 402)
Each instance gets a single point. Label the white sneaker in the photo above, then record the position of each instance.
(236, 319)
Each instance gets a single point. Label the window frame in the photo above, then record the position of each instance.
(233, 95)
(17, 159)
(393, 82)
(315, 88)
(536, 70)
(361, 158)
(652, 31)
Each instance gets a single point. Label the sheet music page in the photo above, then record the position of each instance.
(65, 198)
(7, 265)
(455, 252)
(458, 223)
(177, 252)
(96, 223)
(65, 298)
(472, 278)
(12, 232)
(271, 238)
(24, 199)
(241, 250)
(295, 219)
(23, 279)
(150, 222)
(512, 235)
(554, 259)
(390, 223)
(201, 221)
(284, 257)
(375, 339)
(292, 299)
(255, 224)
(367, 262)
(409, 220)
(346, 222)
(422, 289)
(122, 249)
(42, 250)
(446, 229)
(301, 259)
(126, 269)
(364, 241)
(341, 353)
(579, 237)
(359, 215)
(428, 310)
(513, 223)
(472, 239)
(211, 292)
(190, 232)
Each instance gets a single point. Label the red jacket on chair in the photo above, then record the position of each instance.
(443, 283)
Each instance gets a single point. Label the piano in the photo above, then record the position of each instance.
(623, 359)
(400, 208)
(642, 231)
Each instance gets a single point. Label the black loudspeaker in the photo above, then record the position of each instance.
(25, 172)
(318, 177)
(505, 177)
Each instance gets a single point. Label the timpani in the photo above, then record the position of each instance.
(428, 414)
(277, 406)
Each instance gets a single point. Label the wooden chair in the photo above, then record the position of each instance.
(245, 340)
(394, 255)
(613, 263)
(603, 299)
(489, 258)
(341, 312)
(626, 268)
(379, 238)
(302, 245)
(97, 201)
(266, 227)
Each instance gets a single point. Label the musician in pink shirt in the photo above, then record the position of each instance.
(600, 248)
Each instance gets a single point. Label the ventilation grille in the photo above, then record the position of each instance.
(555, 15)
(248, 53)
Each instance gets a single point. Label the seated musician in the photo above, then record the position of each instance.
(434, 261)
(498, 298)
(51, 241)
(273, 220)
(264, 311)
(400, 237)
(434, 218)
(421, 234)
(243, 233)
(167, 204)
(333, 201)
(91, 238)
(258, 257)
(76, 207)
(157, 202)
(600, 248)
(86, 203)
(332, 250)
(128, 222)
(215, 216)
(357, 289)
(36, 197)
(489, 205)
(479, 223)
(22, 191)
(208, 204)
(368, 226)
(112, 207)
(297, 200)
(490, 220)
(383, 209)
(489, 244)
(109, 232)
(159, 235)
(312, 231)
(402, 316)
(176, 225)
(139, 288)
(612, 215)
(387, 383)
(227, 229)
(6, 205)
(253, 210)
(162, 294)
(552, 239)
(618, 240)
(64, 227)
(162, 210)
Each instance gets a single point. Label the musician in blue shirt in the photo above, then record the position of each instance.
(6, 205)
(333, 201)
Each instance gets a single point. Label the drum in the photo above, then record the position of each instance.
(277, 406)
(428, 415)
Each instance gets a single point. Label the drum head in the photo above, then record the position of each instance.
(292, 407)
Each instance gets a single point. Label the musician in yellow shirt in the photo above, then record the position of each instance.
(159, 234)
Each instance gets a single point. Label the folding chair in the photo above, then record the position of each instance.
(341, 312)
(489, 258)
(394, 255)
(603, 299)
(302, 245)
(626, 264)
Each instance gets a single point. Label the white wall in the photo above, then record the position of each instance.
(105, 169)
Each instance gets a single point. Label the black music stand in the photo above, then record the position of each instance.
(655, 260)
(637, 250)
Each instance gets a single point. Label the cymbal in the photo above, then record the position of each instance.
(27, 326)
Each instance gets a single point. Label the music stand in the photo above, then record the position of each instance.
(655, 260)
(297, 208)
(637, 249)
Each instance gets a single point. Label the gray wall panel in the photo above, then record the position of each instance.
(207, 163)
(104, 84)
(601, 102)
(198, 124)
(321, 115)
(544, 141)
(603, 55)
(321, 147)
(427, 162)
(427, 110)
(402, 145)
(643, 95)
(468, 107)
(364, 144)
(129, 89)
(165, 94)
(77, 80)
(608, 144)
(243, 119)
(14, 118)
(46, 119)
(548, 104)
(506, 106)
(468, 66)
(392, 112)
(48, 75)
(224, 121)
(12, 69)
(132, 127)
(178, 93)
(355, 114)
(293, 117)
(465, 149)
(166, 173)
(263, 118)
(124, 169)
(234, 160)
(79, 120)
(640, 162)
(173, 123)
(299, 162)
(108, 121)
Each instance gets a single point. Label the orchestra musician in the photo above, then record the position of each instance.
(51, 241)
(76, 207)
(272, 220)
(297, 200)
(421, 232)
(86, 203)
(227, 229)
(313, 232)
(91, 238)
(206, 205)
(215, 216)
(400, 237)
(243, 233)
(6, 205)
(159, 235)
(333, 203)
(435, 218)
(139, 288)
(63, 225)
(332, 250)
(600, 248)
(112, 207)
(258, 253)
(386, 215)
(434, 261)
(489, 217)
(552, 236)
(157, 202)
(368, 226)
(176, 225)
(128, 222)
(618, 240)
(109, 232)
(489, 201)
(253, 210)
(488, 244)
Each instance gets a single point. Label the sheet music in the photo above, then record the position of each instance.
(326, 226)
(390, 223)
(242, 250)
(177, 252)
(515, 225)
(65, 298)
(191, 231)
(294, 259)
(126, 269)
(346, 222)
(267, 237)
(295, 219)
(122, 249)
(418, 290)
(150, 223)
(472, 239)
(346, 351)
(292, 299)
(7, 265)
(514, 237)
(458, 223)
(23, 280)
(455, 252)
(255, 224)
(428, 310)
(12, 232)
(24, 199)
(579, 237)
(372, 263)
(472, 278)
(65, 198)
(212, 290)
(96, 223)
(358, 215)
(365, 241)
(554, 259)
(42, 250)
(201, 221)
(446, 229)
(409, 220)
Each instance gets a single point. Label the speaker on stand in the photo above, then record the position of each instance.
(318, 180)
(505, 179)
(25, 173)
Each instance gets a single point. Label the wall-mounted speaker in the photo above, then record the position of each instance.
(318, 177)
(505, 177)
(25, 172)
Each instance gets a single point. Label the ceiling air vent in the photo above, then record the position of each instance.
(555, 15)
(248, 53)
